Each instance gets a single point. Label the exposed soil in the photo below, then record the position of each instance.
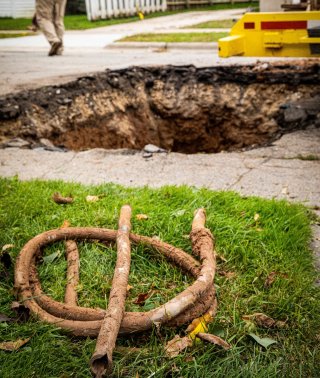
(182, 109)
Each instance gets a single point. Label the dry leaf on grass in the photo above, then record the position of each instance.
(177, 345)
(92, 198)
(59, 199)
(142, 217)
(142, 297)
(263, 320)
(256, 217)
(213, 339)
(271, 278)
(13, 345)
(129, 287)
(65, 224)
(228, 275)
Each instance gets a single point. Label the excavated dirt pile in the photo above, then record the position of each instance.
(182, 109)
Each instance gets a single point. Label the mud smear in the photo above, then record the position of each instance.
(182, 109)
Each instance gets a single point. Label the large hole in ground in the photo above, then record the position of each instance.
(182, 109)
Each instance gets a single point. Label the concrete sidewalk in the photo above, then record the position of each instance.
(284, 170)
(99, 38)
(24, 63)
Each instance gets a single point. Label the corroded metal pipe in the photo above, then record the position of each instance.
(101, 360)
(189, 304)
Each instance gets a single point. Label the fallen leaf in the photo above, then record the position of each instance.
(142, 217)
(218, 331)
(226, 274)
(59, 199)
(189, 359)
(263, 320)
(13, 345)
(129, 287)
(213, 339)
(265, 342)
(5, 318)
(177, 345)
(92, 198)
(65, 224)
(178, 213)
(270, 279)
(256, 217)
(272, 276)
(49, 259)
(142, 297)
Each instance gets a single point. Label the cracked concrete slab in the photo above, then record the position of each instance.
(288, 169)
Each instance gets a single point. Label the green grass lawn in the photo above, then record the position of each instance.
(175, 37)
(213, 24)
(14, 35)
(254, 236)
(78, 22)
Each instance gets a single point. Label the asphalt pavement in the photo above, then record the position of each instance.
(24, 62)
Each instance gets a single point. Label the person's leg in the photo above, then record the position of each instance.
(60, 7)
(45, 14)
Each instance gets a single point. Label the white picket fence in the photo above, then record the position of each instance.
(102, 9)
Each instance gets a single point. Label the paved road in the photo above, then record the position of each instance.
(24, 62)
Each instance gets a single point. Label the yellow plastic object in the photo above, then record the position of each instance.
(287, 34)
(199, 325)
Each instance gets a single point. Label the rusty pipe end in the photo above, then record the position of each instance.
(101, 365)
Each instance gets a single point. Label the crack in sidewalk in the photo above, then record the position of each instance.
(249, 169)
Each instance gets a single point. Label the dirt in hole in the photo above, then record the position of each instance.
(182, 109)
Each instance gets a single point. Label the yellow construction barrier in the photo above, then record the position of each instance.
(286, 34)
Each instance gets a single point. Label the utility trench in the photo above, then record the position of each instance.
(182, 109)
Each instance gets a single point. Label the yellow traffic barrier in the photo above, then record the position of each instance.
(286, 34)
